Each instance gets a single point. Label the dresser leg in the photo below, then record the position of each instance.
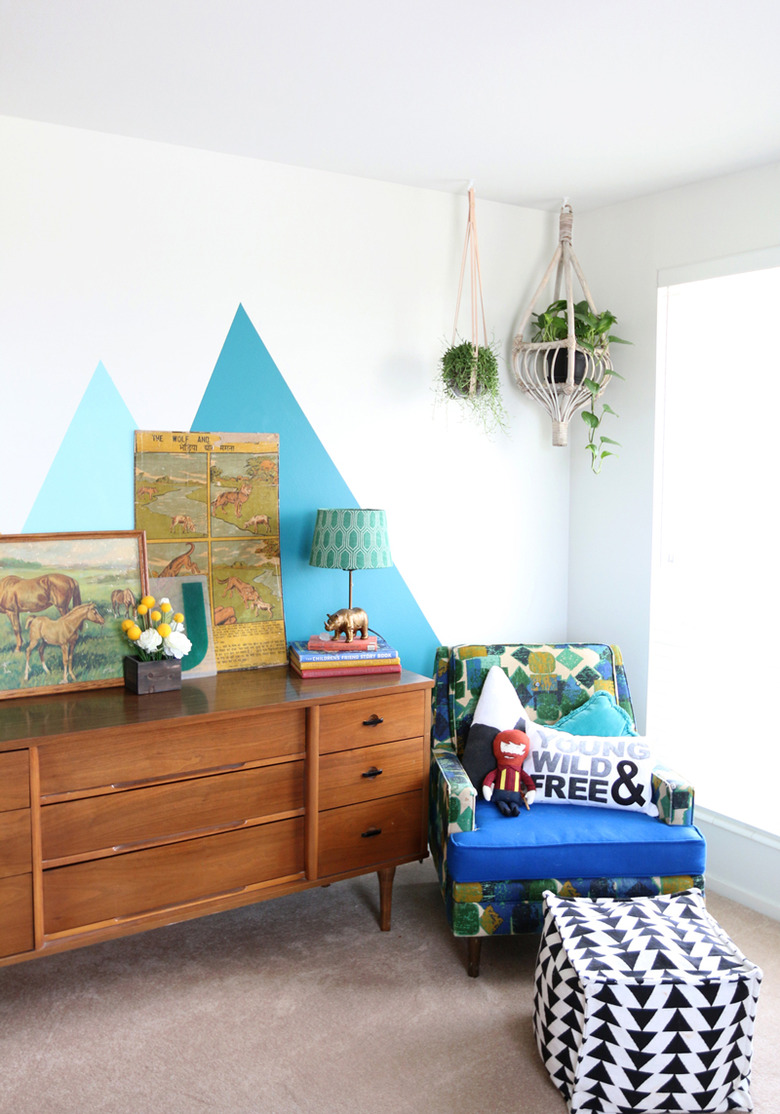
(385, 875)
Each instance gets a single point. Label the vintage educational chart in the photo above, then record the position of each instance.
(209, 503)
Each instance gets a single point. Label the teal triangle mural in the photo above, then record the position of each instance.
(247, 393)
(90, 483)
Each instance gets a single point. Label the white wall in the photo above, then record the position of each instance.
(621, 249)
(138, 254)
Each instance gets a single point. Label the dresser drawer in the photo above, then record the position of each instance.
(103, 758)
(367, 773)
(378, 719)
(163, 812)
(15, 842)
(370, 833)
(14, 780)
(142, 881)
(16, 915)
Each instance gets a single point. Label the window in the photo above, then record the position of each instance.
(714, 685)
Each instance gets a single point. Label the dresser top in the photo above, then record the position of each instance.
(25, 720)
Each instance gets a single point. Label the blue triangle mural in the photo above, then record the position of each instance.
(90, 483)
(246, 393)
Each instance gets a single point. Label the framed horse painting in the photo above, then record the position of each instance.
(62, 601)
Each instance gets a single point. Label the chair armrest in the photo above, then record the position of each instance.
(673, 796)
(453, 797)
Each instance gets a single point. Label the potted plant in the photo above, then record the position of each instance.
(471, 375)
(591, 333)
(159, 643)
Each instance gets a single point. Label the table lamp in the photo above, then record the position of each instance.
(350, 538)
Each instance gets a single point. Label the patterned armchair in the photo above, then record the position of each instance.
(652, 855)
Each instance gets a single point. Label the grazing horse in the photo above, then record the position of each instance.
(63, 632)
(17, 595)
(123, 602)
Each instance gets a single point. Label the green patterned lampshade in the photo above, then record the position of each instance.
(350, 538)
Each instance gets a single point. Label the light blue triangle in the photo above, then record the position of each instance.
(90, 483)
(247, 394)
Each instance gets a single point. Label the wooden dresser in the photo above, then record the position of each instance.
(120, 813)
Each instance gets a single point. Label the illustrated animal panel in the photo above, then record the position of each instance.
(182, 558)
(171, 495)
(244, 495)
(245, 581)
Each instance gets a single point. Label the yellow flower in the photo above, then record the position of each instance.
(142, 608)
(133, 632)
(178, 617)
(165, 607)
(164, 630)
(127, 624)
(156, 616)
(148, 601)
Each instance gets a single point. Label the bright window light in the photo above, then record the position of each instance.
(714, 685)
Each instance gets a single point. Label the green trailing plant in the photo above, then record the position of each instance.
(597, 441)
(457, 366)
(591, 332)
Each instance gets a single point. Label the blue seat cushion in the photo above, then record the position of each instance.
(569, 841)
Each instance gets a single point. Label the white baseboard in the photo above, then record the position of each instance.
(743, 863)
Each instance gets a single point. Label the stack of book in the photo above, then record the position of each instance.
(324, 656)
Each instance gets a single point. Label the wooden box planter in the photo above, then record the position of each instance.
(144, 677)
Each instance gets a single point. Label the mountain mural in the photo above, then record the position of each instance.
(90, 487)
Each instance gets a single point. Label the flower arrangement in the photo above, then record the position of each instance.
(157, 634)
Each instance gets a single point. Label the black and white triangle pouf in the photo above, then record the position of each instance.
(644, 1005)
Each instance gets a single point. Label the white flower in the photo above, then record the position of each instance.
(176, 645)
(149, 641)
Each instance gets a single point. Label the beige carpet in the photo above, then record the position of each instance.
(302, 1005)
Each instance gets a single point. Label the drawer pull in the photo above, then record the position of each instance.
(373, 721)
(372, 772)
(371, 832)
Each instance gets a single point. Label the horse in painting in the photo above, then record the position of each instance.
(18, 595)
(62, 632)
(123, 602)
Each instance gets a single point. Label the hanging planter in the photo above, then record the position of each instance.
(469, 371)
(566, 364)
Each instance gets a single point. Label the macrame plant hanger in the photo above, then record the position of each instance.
(471, 258)
(533, 362)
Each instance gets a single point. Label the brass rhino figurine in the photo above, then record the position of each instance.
(348, 621)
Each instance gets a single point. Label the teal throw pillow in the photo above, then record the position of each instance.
(598, 716)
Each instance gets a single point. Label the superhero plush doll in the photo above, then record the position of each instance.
(508, 786)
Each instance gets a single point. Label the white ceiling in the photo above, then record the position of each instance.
(532, 100)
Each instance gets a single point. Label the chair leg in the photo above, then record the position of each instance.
(474, 944)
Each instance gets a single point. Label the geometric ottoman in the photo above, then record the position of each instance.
(643, 1005)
